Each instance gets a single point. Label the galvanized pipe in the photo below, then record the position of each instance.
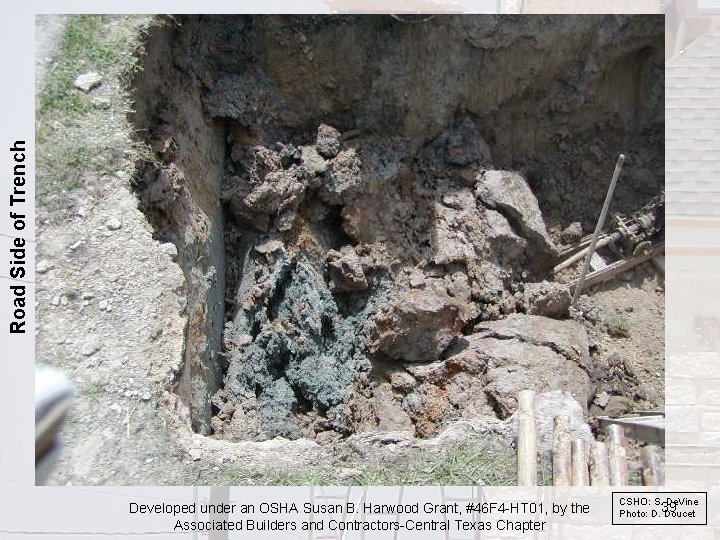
(599, 226)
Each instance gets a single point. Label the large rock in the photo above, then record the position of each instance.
(278, 191)
(547, 298)
(460, 387)
(525, 352)
(417, 326)
(346, 270)
(567, 338)
(272, 187)
(510, 248)
(509, 193)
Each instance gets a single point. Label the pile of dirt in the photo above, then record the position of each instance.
(350, 254)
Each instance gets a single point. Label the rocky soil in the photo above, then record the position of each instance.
(348, 259)
(343, 329)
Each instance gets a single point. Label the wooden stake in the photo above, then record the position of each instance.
(651, 468)
(561, 451)
(527, 439)
(617, 456)
(580, 476)
(599, 467)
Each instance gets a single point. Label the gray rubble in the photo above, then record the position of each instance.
(349, 254)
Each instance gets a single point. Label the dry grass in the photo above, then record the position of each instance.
(458, 466)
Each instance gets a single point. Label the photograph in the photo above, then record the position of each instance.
(350, 249)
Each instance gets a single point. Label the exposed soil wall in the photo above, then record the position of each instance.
(182, 201)
(365, 209)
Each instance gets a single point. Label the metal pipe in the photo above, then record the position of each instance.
(617, 455)
(580, 473)
(579, 255)
(599, 466)
(651, 466)
(599, 226)
(527, 439)
(562, 462)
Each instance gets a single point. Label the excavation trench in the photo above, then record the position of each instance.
(366, 208)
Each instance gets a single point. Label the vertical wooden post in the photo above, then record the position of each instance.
(527, 439)
(651, 471)
(561, 451)
(580, 475)
(599, 467)
(617, 456)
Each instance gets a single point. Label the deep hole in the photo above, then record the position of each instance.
(293, 236)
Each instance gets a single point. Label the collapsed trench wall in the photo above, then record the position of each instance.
(426, 110)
